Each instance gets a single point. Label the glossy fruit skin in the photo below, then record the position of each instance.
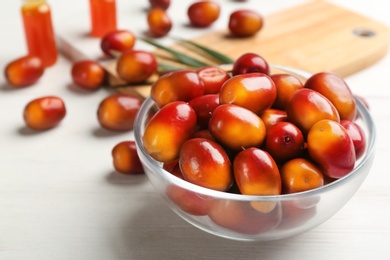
(256, 173)
(203, 13)
(136, 66)
(204, 133)
(336, 90)
(245, 23)
(163, 4)
(307, 106)
(159, 22)
(286, 85)
(356, 132)
(180, 85)
(117, 42)
(284, 141)
(24, 71)
(117, 112)
(176, 170)
(168, 129)
(299, 175)
(272, 116)
(190, 202)
(44, 113)
(229, 122)
(253, 91)
(173, 167)
(241, 217)
(212, 78)
(204, 107)
(249, 63)
(330, 146)
(205, 163)
(88, 74)
(125, 158)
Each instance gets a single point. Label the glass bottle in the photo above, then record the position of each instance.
(103, 17)
(39, 31)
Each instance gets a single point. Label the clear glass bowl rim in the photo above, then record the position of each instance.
(156, 167)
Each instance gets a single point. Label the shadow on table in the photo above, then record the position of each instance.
(78, 90)
(6, 87)
(155, 232)
(100, 132)
(26, 131)
(125, 179)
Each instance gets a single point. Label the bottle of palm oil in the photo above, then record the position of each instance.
(39, 31)
(103, 17)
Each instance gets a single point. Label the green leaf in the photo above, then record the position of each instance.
(167, 67)
(178, 55)
(115, 54)
(223, 59)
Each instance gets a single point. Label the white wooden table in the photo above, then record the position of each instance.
(61, 199)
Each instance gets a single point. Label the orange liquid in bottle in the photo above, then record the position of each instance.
(39, 31)
(103, 17)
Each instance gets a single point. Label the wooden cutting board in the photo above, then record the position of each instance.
(316, 36)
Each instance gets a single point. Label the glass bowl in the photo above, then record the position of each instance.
(255, 218)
